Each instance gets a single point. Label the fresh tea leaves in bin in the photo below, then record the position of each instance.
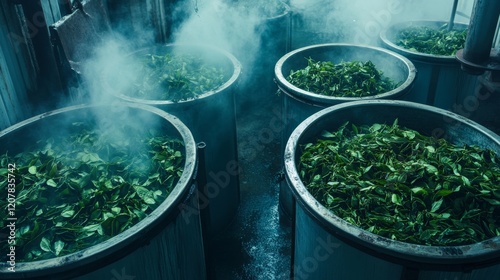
(77, 191)
(397, 183)
(345, 79)
(175, 77)
(431, 40)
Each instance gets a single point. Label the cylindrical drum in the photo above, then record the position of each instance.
(259, 89)
(103, 190)
(327, 246)
(440, 81)
(211, 118)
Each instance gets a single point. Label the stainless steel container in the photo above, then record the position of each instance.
(326, 246)
(166, 244)
(440, 81)
(258, 87)
(212, 120)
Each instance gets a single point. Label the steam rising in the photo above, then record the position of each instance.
(104, 75)
(225, 24)
(361, 21)
(237, 27)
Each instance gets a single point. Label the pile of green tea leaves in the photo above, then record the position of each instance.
(75, 192)
(176, 77)
(345, 79)
(431, 40)
(397, 183)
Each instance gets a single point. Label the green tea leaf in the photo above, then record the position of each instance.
(419, 190)
(58, 247)
(327, 134)
(396, 199)
(51, 183)
(431, 168)
(68, 213)
(45, 244)
(430, 149)
(145, 194)
(39, 212)
(436, 205)
(116, 210)
(444, 192)
(494, 202)
(32, 170)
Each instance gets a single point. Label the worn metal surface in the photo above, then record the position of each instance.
(167, 244)
(483, 25)
(75, 35)
(477, 56)
(211, 118)
(143, 18)
(369, 251)
(18, 70)
(440, 81)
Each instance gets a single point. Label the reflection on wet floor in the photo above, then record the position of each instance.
(256, 245)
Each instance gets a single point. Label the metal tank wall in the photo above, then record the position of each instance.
(166, 244)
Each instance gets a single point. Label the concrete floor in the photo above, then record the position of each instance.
(256, 245)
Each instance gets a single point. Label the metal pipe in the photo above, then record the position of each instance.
(482, 29)
(201, 178)
(451, 22)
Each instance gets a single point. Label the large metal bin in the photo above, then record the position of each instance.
(440, 81)
(166, 244)
(326, 246)
(258, 80)
(300, 104)
(211, 118)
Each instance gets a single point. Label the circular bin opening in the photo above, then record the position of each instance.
(356, 245)
(394, 66)
(440, 81)
(133, 243)
(163, 66)
(390, 38)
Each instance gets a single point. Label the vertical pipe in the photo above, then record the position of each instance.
(201, 178)
(452, 16)
(482, 29)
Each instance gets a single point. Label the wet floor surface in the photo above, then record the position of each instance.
(256, 245)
